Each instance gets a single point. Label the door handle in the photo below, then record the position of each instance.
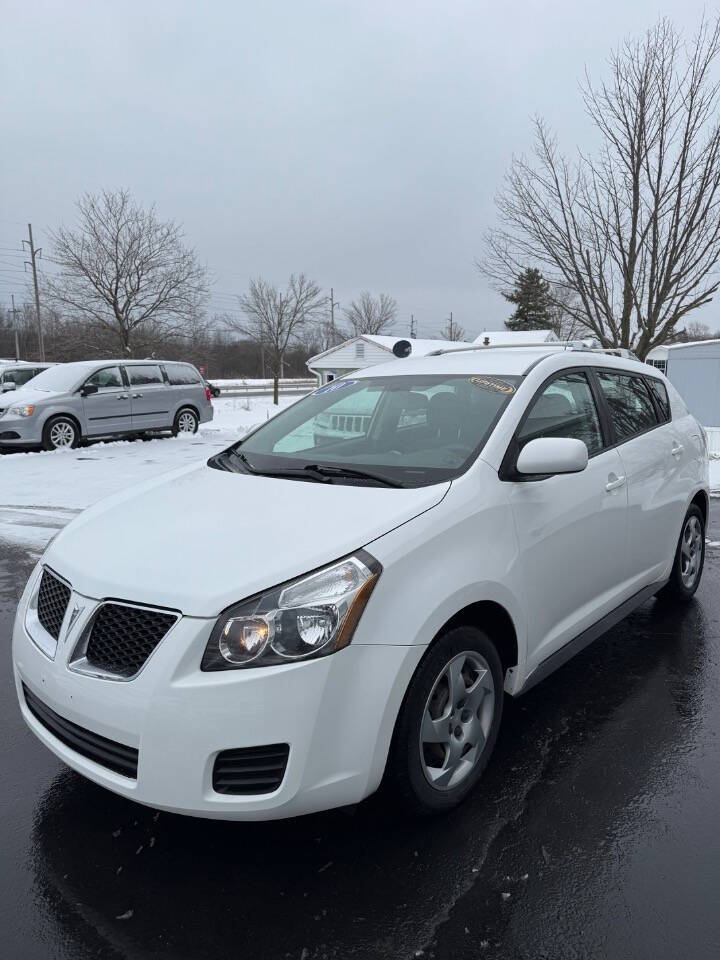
(677, 449)
(614, 482)
(136, 396)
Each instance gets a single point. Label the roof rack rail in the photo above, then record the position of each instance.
(584, 346)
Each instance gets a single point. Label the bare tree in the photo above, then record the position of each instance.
(634, 231)
(452, 331)
(369, 314)
(125, 272)
(275, 320)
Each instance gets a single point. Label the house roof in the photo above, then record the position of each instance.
(420, 348)
(497, 337)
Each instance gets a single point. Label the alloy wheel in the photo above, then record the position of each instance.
(456, 720)
(186, 423)
(62, 434)
(691, 548)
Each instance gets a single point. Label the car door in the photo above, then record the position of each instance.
(652, 458)
(571, 528)
(151, 396)
(106, 402)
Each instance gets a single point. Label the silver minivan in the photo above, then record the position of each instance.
(71, 402)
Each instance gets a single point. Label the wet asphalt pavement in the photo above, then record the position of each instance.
(595, 833)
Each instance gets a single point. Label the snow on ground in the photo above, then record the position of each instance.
(40, 492)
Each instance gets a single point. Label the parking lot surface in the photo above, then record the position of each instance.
(593, 834)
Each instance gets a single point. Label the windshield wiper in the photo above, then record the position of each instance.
(328, 470)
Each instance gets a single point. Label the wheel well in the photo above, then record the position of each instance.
(701, 502)
(494, 620)
(68, 416)
(188, 406)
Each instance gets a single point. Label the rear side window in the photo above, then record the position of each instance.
(180, 374)
(659, 391)
(142, 375)
(631, 409)
(107, 379)
(565, 408)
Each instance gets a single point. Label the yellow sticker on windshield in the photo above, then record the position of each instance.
(493, 384)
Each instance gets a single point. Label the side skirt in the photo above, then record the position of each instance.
(584, 639)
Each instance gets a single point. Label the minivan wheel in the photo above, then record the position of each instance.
(60, 433)
(689, 558)
(448, 723)
(186, 421)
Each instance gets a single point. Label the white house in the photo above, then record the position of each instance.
(365, 351)
(369, 349)
(694, 370)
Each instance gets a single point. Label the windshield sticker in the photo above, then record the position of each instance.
(335, 385)
(493, 384)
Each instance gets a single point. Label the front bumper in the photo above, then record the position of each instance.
(336, 713)
(20, 431)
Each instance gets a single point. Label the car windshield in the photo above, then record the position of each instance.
(395, 431)
(57, 379)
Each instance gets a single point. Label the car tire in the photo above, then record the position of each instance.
(434, 775)
(186, 421)
(689, 559)
(60, 433)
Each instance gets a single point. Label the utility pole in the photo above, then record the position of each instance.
(412, 326)
(450, 326)
(34, 254)
(333, 303)
(15, 329)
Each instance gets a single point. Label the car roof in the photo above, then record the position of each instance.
(89, 365)
(510, 361)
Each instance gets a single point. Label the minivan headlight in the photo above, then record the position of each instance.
(23, 410)
(312, 616)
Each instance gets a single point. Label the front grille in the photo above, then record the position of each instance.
(53, 598)
(250, 770)
(108, 753)
(120, 638)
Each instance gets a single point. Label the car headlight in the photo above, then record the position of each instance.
(312, 616)
(23, 410)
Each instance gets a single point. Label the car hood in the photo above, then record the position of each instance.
(25, 395)
(200, 539)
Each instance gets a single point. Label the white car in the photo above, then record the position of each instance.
(373, 598)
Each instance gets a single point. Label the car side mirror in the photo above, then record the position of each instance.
(87, 391)
(550, 455)
(10, 385)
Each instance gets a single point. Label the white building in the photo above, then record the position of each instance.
(365, 351)
(369, 349)
(694, 370)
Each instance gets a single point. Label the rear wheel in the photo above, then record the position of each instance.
(689, 558)
(448, 723)
(186, 421)
(60, 433)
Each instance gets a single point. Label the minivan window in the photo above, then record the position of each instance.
(19, 376)
(413, 430)
(565, 408)
(631, 408)
(141, 375)
(659, 391)
(180, 374)
(109, 378)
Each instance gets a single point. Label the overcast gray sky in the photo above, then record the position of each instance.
(361, 142)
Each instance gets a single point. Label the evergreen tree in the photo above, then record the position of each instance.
(531, 296)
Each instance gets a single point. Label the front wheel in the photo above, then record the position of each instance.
(689, 558)
(186, 421)
(60, 433)
(448, 724)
